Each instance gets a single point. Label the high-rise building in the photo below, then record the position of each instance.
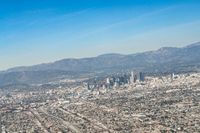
(132, 77)
(107, 80)
(135, 78)
(116, 84)
(88, 86)
(141, 76)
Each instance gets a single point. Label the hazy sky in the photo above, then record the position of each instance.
(38, 31)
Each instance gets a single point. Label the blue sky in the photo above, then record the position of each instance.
(39, 31)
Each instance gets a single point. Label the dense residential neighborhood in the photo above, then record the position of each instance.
(168, 103)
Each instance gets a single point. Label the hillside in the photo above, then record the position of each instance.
(166, 59)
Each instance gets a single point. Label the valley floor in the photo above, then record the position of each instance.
(158, 108)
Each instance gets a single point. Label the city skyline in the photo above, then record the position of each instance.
(34, 32)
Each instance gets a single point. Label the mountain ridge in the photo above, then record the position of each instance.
(164, 59)
(104, 55)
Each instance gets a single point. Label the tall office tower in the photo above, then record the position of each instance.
(108, 83)
(88, 86)
(107, 80)
(135, 78)
(172, 76)
(132, 77)
(141, 76)
(116, 84)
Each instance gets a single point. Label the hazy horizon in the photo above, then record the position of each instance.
(34, 32)
(52, 61)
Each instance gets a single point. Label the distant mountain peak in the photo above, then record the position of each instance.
(166, 48)
(111, 55)
(193, 45)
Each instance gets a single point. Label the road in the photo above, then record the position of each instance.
(65, 123)
(38, 120)
(92, 121)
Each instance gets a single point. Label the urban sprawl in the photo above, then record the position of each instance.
(122, 103)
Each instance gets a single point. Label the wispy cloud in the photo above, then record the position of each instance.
(41, 16)
(67, 16)
(134, 20)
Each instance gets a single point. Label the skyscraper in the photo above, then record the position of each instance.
(141, 76)
(132, 77)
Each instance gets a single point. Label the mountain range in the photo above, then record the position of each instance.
(166, 59)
